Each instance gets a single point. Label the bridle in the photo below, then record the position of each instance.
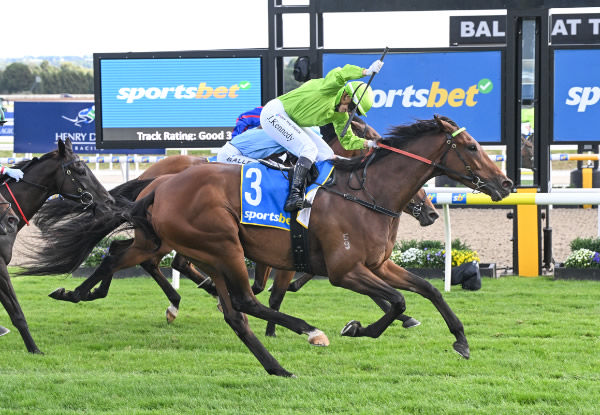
(470, 176)
(83, 196)
(416, 208)
(3, 215)
(369, 157)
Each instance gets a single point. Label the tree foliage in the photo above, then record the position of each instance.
(46, 79)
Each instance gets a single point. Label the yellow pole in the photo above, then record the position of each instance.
(527, 238)
(586, 181)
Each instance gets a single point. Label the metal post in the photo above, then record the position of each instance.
(448, 259)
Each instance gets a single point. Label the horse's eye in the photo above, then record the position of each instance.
(472, 147)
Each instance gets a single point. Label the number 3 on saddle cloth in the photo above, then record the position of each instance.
(264, 191)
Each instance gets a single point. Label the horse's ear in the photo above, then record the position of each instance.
(443, 125)
(65, 147)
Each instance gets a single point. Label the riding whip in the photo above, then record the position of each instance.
(353, 113)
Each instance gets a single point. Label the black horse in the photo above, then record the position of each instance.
(58, 172)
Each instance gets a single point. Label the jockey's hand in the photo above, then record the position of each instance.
(374, 68)
(370, 144)
(14, 173)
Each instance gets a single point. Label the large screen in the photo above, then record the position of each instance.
(576, 95)
(465, 86)
(173, 102)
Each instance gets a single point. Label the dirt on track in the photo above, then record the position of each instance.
(487, 231)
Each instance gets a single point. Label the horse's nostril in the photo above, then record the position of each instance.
(507, 184)
(434, 215)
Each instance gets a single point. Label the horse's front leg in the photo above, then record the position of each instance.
(401, 279)
(361, 280)
(8, 298)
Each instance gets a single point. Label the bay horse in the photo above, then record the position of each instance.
(197, 213)
(58, 172)
(419, 207)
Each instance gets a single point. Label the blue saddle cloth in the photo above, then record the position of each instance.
(264, 191)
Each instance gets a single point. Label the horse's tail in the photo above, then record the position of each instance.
(129, 190)
(64, 245)
(137, 217)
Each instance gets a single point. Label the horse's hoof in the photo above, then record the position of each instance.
(3, 331)
(411, 322)
(281, 372)
(318, 338)
(58, 294)
(351, 329)
(462, 349)
(171, 313)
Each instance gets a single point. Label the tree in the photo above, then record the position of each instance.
(17, 77)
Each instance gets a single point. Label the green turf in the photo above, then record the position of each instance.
(534, 350)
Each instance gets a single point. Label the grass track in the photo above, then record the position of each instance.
(535, 348)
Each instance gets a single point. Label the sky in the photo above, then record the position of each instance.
(73, 27)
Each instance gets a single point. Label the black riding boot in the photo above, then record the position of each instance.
(295, 200)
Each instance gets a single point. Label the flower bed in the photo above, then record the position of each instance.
(583, 263)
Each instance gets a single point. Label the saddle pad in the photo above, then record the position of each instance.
(264, 191)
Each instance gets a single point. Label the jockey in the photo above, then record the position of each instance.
(14, 173)
(317, 102)
(246, 121)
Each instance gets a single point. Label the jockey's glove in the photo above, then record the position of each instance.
(14, 173)
(374, 68)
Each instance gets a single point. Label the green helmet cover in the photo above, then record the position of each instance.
(355, 89)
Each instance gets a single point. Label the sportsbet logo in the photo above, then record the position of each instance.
(436, 96)
(202, 91)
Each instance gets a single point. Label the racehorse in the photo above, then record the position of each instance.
(419, 207)
(527, 157)
(58, 172)
(197, 213)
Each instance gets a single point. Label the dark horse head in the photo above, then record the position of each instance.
(59, 172)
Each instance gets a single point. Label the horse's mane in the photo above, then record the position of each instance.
(26, 163)
(398, 137)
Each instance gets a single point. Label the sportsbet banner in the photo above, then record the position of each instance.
(465, 86)
(168, 102)
(576, 95)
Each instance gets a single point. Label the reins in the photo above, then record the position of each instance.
(477, 182)
(16, 203)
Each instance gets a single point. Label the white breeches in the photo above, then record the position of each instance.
(302, 142)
